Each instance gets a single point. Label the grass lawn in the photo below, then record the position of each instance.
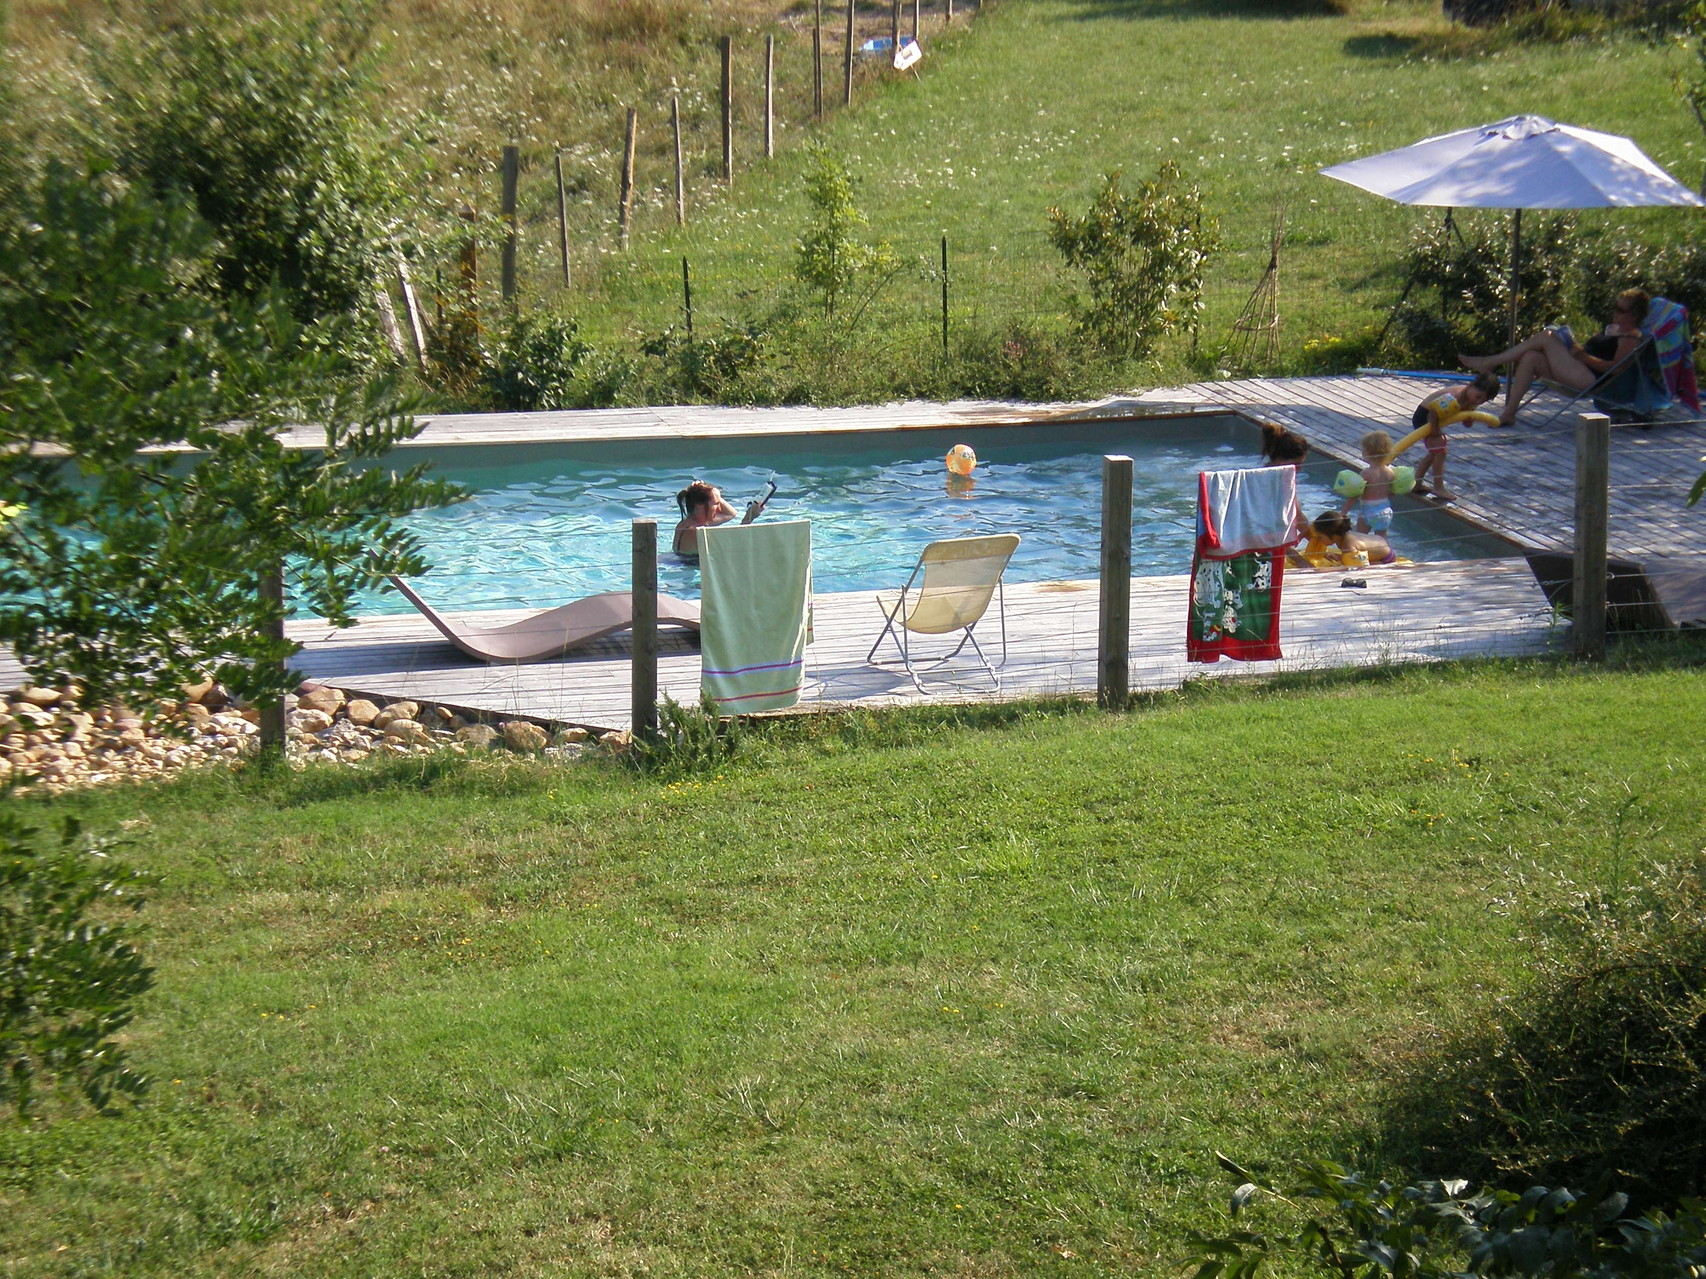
(1047, 95)
(886, 996)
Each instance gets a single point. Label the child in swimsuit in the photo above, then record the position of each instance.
(1434, 410)
(1374, 514)
(1335, 527)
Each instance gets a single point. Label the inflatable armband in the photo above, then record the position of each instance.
(1349, 484)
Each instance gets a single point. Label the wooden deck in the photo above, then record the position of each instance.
(1517, 483)
(1422, 613)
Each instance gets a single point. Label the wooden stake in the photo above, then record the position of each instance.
(680, 171)
(769, 97)
(944, 296)
(817, 61)
(511, 180)
(388, 323)
(625, 213)
(1593, 470)
(563, 218)
(272, 715)
(894, 28)
(729, 110)
(412, 308)
(643, 699)
(1113, 645)
(917, 19)
(847, 59)
(687, 294)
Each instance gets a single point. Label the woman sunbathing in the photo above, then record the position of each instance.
(1554, 354)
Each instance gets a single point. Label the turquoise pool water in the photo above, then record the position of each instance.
(551, 522)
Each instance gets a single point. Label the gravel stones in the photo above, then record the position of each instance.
(49, 742)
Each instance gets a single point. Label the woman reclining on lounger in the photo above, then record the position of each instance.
(1554, 354)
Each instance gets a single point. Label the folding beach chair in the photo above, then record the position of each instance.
(949, 590)
(1649, 381)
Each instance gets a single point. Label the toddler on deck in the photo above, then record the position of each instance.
(1375, 512)
(1434, 412)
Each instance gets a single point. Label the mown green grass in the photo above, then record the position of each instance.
(895, 996)
(1047, 95)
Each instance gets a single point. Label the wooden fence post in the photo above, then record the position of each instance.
(511, 180)
(1113, 644)
(272, 717)
(563, 218)
(894, 29)
(944, 295)
(1593, 469)
(687, 294)
(412, 308)
(643, 702)
(729, 110)
(388, 323)
(847, 60)
(769, 97)
(680, 170)
(817, 61)
(625, 215)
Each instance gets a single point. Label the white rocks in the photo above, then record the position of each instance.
(53, 744)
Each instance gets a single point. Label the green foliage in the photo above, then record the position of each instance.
(1352, 1228)
(690, 739)
(544, 363)
(68, 974)
(1457, 282)
(830, 257)
(1021, 360)
(1143, 255)
(721, 363)
(134, 566)
(1598, 1067)
(261, 119)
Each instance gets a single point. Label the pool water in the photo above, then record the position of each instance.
(549, 523)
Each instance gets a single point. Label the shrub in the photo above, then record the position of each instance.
(545, 364)
(718, 364)
(1142, 255)
(1347, 1226)
(1022, 360)
(261, 120)
(68, 975)
(1598, 1067)
(844, 272)
(1457, 285)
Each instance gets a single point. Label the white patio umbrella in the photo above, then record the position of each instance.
(1525, 162)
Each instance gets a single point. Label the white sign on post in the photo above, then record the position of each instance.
(908, 53)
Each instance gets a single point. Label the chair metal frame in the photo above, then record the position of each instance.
(898, 614)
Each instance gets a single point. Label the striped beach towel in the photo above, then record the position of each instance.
(1667, 322)
(755, 601)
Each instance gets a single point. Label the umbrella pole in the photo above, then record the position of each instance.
(1516, 263)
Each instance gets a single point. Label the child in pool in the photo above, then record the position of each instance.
(1335, 527)
(1430, 412)
(1281, 447)
(1374, 506)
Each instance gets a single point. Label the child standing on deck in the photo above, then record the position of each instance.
(1435, 411)
(1374, 503)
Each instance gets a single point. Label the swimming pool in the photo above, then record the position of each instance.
(551, 522)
